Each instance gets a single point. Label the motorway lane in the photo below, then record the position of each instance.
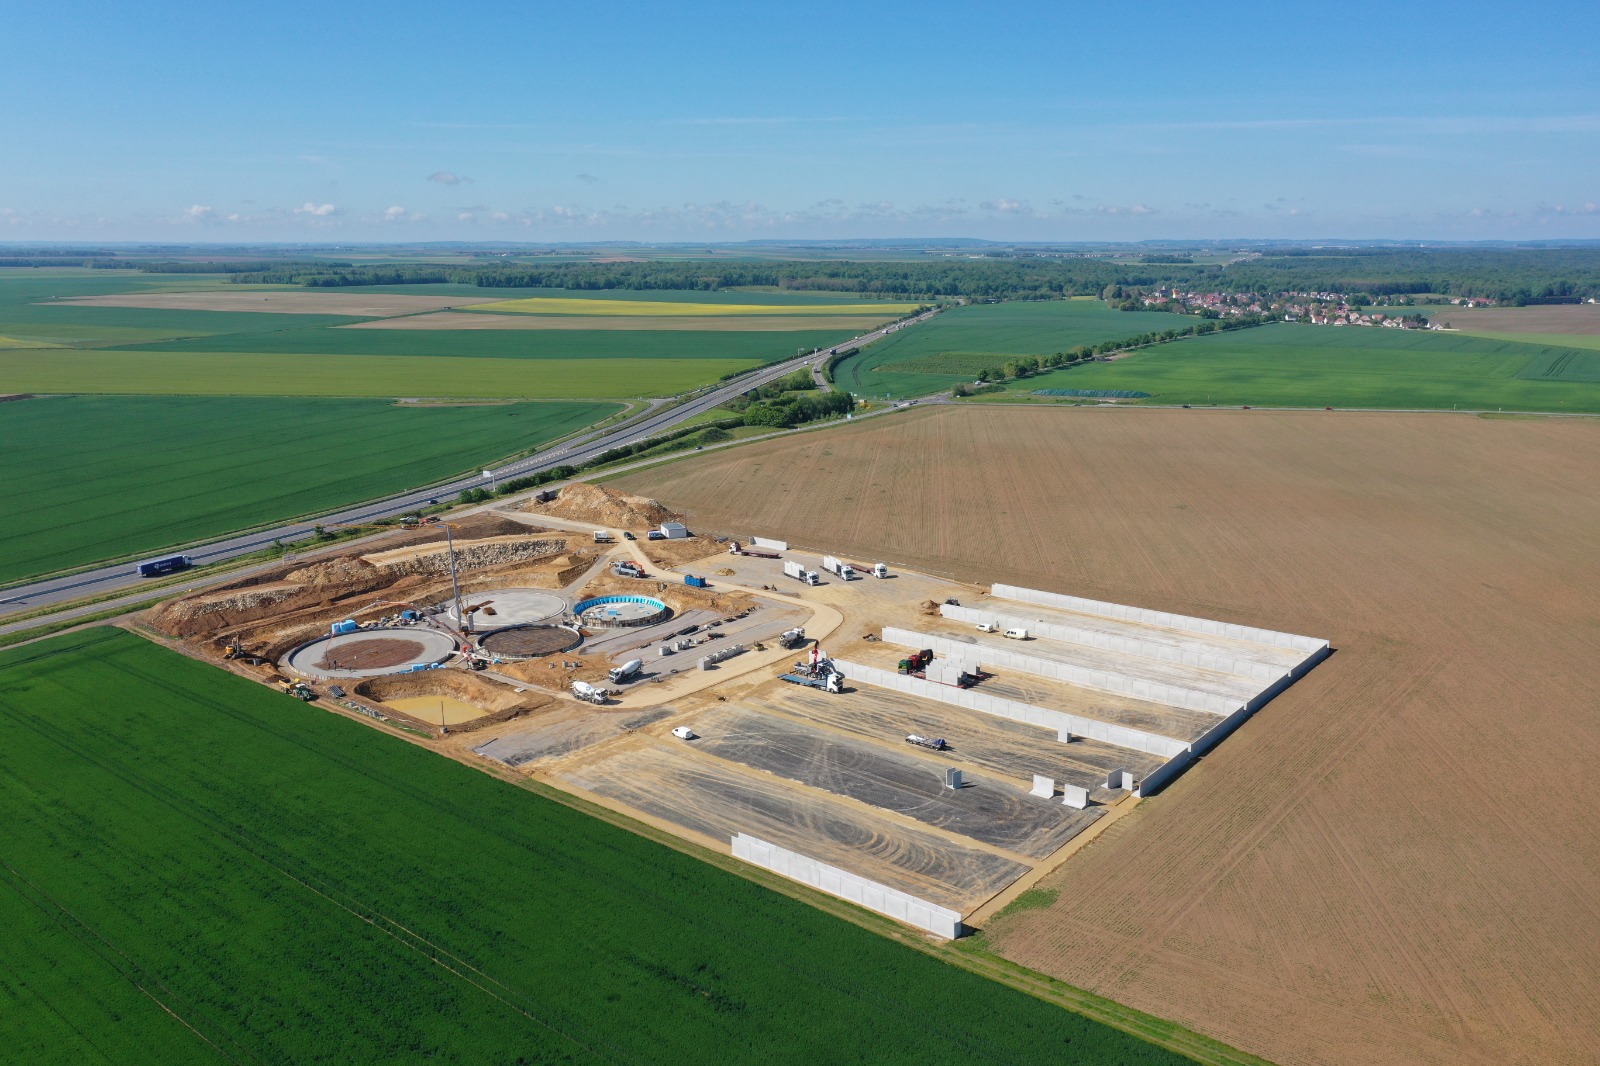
(110, 579)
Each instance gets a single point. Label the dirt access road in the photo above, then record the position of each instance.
(1394, 861)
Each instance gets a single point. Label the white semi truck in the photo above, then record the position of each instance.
(839, 567)
(800, 573)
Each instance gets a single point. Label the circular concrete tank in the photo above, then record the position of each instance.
(530, 642)
(503, 608)
(621, 612)
(369, 653)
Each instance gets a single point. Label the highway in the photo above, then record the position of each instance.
(108, 580)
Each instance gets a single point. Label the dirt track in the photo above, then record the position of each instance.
(289, 302)
(1394, 862)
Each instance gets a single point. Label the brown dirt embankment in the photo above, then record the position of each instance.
(678, 552)
(500, 703)
(406, 573)
(584, 502)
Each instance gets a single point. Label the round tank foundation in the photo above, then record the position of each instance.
(621, 612)
(530, 642)
(502, 608)
(369, 653)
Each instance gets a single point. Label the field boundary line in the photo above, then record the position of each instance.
(62, 909)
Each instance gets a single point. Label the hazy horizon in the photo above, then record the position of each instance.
(717, 123)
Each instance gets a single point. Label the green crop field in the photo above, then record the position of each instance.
(30, 313)
(689, 296)
(256, 374)
(96, 477)
(955, 344)
(199, 869)
(752, 347)
(1314, 366)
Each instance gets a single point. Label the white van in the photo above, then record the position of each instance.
(987, 627)
(683, 732)
(1017, 634)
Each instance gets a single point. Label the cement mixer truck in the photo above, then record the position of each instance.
(590, 693)
(627, 671)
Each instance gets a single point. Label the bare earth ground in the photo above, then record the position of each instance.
(286, 303)
(698, 323)
(1394, 861)
(1549, 318)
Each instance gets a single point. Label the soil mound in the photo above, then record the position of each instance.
(608, 507)
(342, 570)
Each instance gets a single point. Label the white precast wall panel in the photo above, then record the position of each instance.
(1111, 642)
(1160, 618)
(842, 883)
(1060, 721)
(1121, 685)
(769, 544)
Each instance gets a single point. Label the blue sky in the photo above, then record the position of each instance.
(543, 122)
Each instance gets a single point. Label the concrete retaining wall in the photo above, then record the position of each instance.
(1160, 618)
(846, 885)
(1105, 680)
(1110, 642)
(1217, 733)
(973, 700)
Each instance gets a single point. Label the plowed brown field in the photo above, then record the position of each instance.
(1395, 861)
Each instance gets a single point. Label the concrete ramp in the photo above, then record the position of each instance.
(1105, 680)
(1060, 721)
(1309, 645)
(1149, 649)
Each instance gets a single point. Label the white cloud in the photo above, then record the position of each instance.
(444, 177)
(1586, 208)
(316, 210)
(200, 213)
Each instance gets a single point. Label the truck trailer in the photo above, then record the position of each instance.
(800, 573)
(170, 564)
(843, 570)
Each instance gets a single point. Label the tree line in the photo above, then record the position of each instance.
(1027, 366)
(1507, 275)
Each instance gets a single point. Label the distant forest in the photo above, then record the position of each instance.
(1514, 276)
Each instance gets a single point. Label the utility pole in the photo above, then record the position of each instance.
(455, 584)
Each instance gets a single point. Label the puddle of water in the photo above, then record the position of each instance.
(429, 708)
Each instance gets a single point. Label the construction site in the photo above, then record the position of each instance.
(921, 747)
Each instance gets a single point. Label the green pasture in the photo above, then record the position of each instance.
(687, 296)
(97, 477)
(199, 869)
(265, 374)
(1314, 366)
(955, 344)
(754, 347)
(30, 314)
